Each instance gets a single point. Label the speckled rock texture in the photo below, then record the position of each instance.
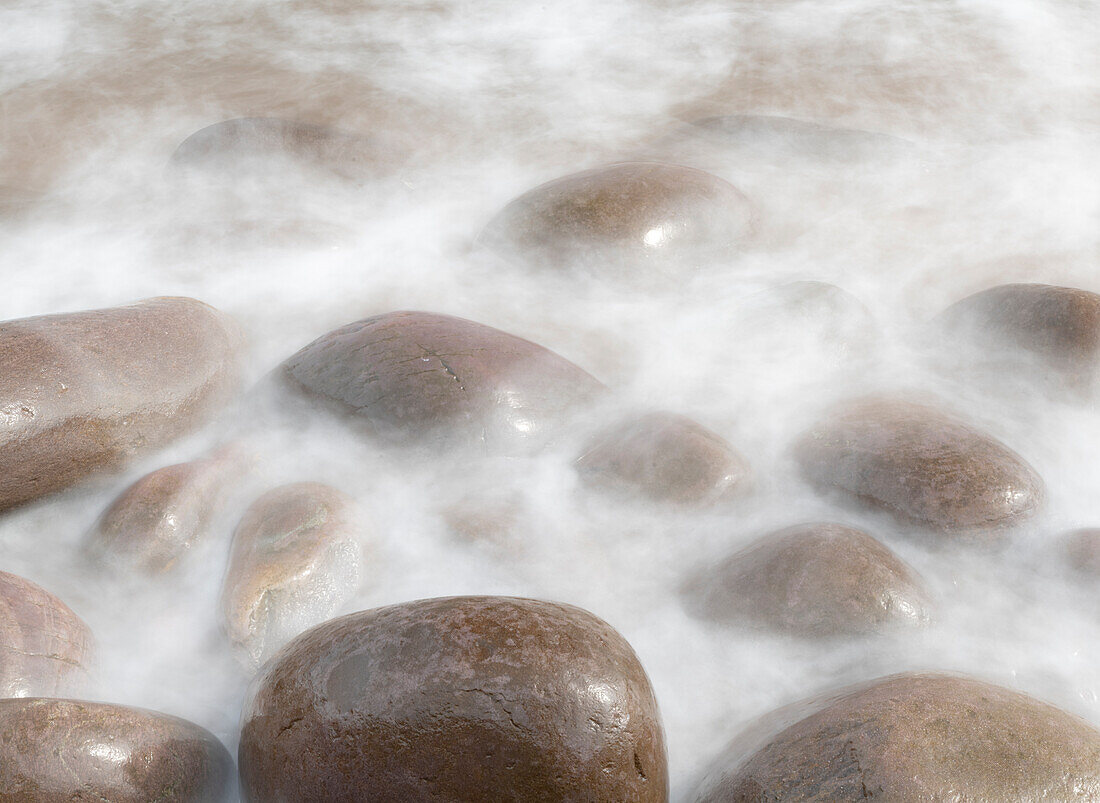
(627, 220)
(916, 737)
(294, 561)
(158, 520)
(45, 648)
(60, 751)
(921, 464)
(664, 457)
(817, 579)
(88, 390)
(456, 699)
(423, 377)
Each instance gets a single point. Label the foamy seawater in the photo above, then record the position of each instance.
(990, 177)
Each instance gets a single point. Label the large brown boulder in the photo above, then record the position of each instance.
(664, 457)
(54, 751)
(632, 219)
(88, 390)
(421, 376)
(921, 464)
(294, 561)
(914, 737)
(45, 648)
(813, 580)
(462, 698)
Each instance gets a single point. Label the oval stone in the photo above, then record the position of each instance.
(294, 561)
(461, 698)
(45, 648)
(920, 463)
(68, 750)
(625, 220)
(813, 580)
(88, 390)
(916, 737)
(155, 522)
(422, 376)
(664, 457)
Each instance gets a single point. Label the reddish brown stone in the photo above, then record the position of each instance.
(919, 463)
(58, 751)
(294, 561)
(45, 648)
(667, 458)
(88, 390)
(421, 376)
(625, 219)
(463, 698)
(813, 580)
(914, 737)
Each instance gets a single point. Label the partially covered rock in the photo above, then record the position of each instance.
(159, 519)
(1082, 550)
(462, 698)
(419, 376)
(664, 457)
(45, 648)
(294, 561)
(813, 580)
(631, 220)
(787, 137)
(921, 464)
(915, 737)
(88, 390)
(66, 750)
(1049, 335)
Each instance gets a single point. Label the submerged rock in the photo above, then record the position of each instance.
(67, 750)
(159, 519)
(813, 580)
(631, 220)
(294, 561)
(921, 464)
(915, 737)
(462, 698)
(664, 457)
(45, 648)
(419, 376)
(787, 137)
(88, 390)
(1082, 550)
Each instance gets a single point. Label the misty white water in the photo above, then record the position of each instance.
(1000, 105)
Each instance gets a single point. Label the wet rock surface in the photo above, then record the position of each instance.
(67, 750)
(634, 220)
(920, 463)
(917, 737)
(45, 648)
(664, 457)
(818, 579)
(419, 376)
(158, 520)
(87, 390)
(461, 698)
(294, 561)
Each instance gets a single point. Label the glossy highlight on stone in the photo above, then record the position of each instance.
(460, 698)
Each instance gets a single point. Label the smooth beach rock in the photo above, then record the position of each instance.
(45, 648)
(664, 457)
(915, 737)
(813, 580)
(294, 561)
(461, 698)
(419, 376)
(630, 220)
(254, 146)
(155, 522)
(920, 463)
(55, 751)
(1052, 333)
(88, 390)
